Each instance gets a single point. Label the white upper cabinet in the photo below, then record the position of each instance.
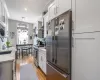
(63, 6)
(45, 24)
(58, 7)
(87, 15)
(73, 15)
(52, 10)
(3, 14)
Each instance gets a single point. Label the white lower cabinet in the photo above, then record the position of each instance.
(86, 56)
(42, 60)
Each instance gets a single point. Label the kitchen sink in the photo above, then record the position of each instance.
(5, 52)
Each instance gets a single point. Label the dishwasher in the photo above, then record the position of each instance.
(6, 70)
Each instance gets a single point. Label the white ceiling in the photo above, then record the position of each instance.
(34, 9)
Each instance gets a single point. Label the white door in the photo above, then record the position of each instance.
(63, 6)
(86, 57)
(87, 15)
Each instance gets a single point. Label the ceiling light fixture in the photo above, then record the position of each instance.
(25, 9)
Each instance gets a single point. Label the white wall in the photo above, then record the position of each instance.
(13, 28)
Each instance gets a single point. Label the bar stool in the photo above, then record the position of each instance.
(18, 53)
(30, 50)
(24, 51)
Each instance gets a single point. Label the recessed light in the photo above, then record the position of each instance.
(25, 9)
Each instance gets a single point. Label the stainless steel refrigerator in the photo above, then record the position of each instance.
(58, 45)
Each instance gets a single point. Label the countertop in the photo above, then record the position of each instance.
(8, 57)
(42, 48)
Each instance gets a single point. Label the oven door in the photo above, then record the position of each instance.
(36, 56)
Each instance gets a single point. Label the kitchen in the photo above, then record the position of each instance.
(68, 37)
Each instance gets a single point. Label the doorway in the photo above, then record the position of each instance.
(22, 34)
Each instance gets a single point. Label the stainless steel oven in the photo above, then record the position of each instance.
(36, 51)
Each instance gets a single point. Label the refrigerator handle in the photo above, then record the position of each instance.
(72, 42)
(52, 59)
(73, 25)
(56, 61)
(56, 50)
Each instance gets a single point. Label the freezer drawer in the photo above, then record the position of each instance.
(53, 74)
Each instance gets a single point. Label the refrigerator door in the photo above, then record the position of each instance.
(50, 41)
(63, 40)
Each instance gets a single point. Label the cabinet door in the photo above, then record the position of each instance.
(40, 60)
(44, 63)
(63, 6)
(73, 15)
(45, 24)
(86, 57)
(52, 10)
(87, 15)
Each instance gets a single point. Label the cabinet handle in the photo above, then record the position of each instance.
(55, 61)
(56, 9)
(72, 42)
(52, 59)
(73, 25)
(41, 58)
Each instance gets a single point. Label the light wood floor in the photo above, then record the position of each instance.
(29, 60)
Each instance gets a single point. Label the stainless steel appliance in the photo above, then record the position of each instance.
(58, 45)
(36, 58)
